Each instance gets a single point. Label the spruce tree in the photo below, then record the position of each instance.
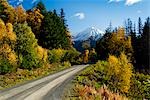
(54, 33)
(41, 7)
(140, 26)
(145, 40)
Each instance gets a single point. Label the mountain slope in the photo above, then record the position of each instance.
(90, 33)
(87, 38)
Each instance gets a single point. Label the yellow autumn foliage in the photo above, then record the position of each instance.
(125, 73)
(121, 33)
(7, 53)
(20, 14)
(120, 72)
(5, 48)
(12, 58)
(113, 65)
(6, 31)
(34, 18)
(42, 53)
(86, 56)
(59, 52)
(7, 42)
(10, 34)
(2, 29)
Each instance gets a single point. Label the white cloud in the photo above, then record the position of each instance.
(80, 15)
(127, 2)
(114, 1)
(131, 2)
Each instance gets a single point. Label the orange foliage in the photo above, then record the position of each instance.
(6, 31)
(10, 34)
(34, 19)
(21, 14)
(85, 56)
(7, 36)
(90, 93)
(42, 53)
(2, 29)
(7, 53)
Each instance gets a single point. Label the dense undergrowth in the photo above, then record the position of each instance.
(56, 61)
(109, 80)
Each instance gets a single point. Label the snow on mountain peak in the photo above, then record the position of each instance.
(91, 32)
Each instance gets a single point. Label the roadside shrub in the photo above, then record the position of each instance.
(90, 84)
(140, 87)
(92, 56)
(5, 66)
(7, 53)
(55, 55)
(66, 64)
(42, 54)
(86, 56)
(51, 58)
(72, 56)
(119, 71)
(116, 73)
(30, 61)
(90, 93)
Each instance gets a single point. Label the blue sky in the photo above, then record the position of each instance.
(81, 14)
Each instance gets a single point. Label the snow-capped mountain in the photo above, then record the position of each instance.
(87, 37)
(90, 33)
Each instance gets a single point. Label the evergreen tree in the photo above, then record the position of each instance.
(145, 40)
(53, 32)
(109, 29)
(142, 51)
(140, 26)
(129, 27)
(62, 16)
(134, 43)
(65, 26)
(41, 7)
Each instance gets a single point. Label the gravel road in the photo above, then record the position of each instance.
(48, 88)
